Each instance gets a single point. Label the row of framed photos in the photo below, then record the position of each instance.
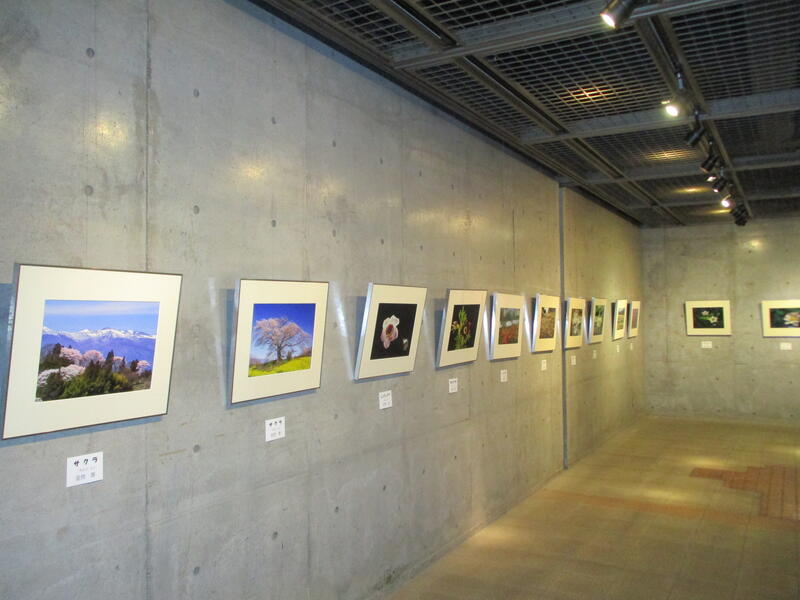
(779, 318)
(96, 346)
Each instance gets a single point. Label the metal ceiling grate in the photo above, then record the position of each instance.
(454, 81)
(743, 49)
(651, 218)
(775, 208)
(745, 55)
(766, 134)
(771, 181)
(565, 155)
(463, 14)
(647, 148)
(703, 213)
(598, 75)
(682, 190)
(364, 21)
(621, 195)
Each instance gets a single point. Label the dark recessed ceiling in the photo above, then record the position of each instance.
(547, 78)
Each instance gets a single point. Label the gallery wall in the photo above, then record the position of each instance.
(208, 139)
(604, 388)
(744, 375)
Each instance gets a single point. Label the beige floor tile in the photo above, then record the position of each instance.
(762, 593)
(688, 589)
(639, 586)
(630, 522)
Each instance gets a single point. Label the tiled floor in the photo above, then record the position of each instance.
(667, 510)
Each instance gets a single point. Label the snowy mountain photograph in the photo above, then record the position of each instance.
(92, 348)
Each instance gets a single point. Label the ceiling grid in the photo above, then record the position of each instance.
(548, 79)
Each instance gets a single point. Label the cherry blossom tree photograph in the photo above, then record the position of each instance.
(282, 338)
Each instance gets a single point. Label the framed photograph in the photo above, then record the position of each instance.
(634, 308)
(780, 318)
(506, 325)
(708, 317)
(89, 347)
(280, 332)
(390, 330)
(545, 323)
(620, 319)
(573, 328)
(597, 320)
(461, 326)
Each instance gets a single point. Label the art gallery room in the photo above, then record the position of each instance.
(400, 299)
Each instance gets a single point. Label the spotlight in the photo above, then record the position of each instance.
(617, 12)
(681, 81)
(709, 163)
(673, 108)
(740, 216)
(727, 201)
(720, 184)
(712, 177)
(695, 135)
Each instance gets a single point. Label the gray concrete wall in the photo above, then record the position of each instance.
(604, 389)
(745, 374)
(205, 138)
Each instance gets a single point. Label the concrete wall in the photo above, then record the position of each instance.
(604, 389)
(205, 138)
(744, 375)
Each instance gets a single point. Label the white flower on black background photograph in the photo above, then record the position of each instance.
(708, 317)
(394, 328)
(785, 317)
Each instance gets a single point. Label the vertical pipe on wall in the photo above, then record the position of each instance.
(564, 422)
(148, 76)
(148, 547)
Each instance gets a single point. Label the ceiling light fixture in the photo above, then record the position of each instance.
(617, 12)
(673, 108)
(709, 164)
(677, 104)
(697, 133)
(720, 184)
(740, 216)
(712, 177)
(727, 201)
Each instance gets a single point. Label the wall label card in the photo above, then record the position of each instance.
(86, 468)
(385, 399)
(275, 428)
